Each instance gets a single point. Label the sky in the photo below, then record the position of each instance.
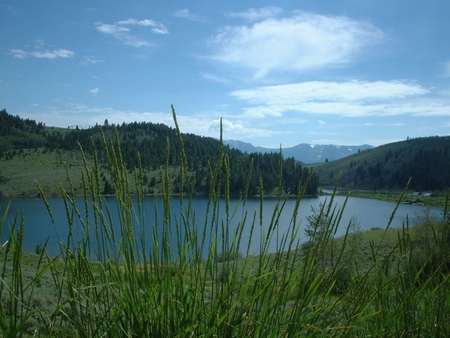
(278, 73)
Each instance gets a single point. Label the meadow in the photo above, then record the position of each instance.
(381, 283)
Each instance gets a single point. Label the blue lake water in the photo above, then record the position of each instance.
(368, 213)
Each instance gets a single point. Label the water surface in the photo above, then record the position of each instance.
(368, 213)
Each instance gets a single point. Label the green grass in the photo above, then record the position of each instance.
(374, 284)
(18, 175)
(48, 168)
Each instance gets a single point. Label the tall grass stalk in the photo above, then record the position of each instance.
(201, 280)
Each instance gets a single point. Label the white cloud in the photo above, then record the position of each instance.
(186, 14)
(19, 54)
(298, 43)
(121, 31)
(232, 130)
(60, 53)
(157, 27)
(94, 91)
(206, 124)
(57, 53)
(353, 98)
(72, 114)
(329, 91)
(112, 29)
(88, 60)
(258, 14)
(264, 111)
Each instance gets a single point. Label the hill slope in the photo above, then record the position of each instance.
(29, 149)
(425, 160)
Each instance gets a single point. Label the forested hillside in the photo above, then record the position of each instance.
(425, 160)
(16, 133)
(150, 141)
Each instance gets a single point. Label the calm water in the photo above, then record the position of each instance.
(369, 213)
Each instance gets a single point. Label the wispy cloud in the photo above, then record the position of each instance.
(156, 27)
(73, 113)
(214, 78)
(122, 31)
(57, 53)
(351, 99)
(12, 10)
(186, 14)
(258, 14)
(38, 43)
(88, 60)
(206, 123)
(446, 69)
(94, 91)
(237, 130)
(300, 42)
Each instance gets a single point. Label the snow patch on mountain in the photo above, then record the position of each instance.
(306, 153)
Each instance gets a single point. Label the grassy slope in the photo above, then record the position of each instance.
(47, 168)
(20, 174)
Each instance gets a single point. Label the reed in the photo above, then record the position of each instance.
(207, 284)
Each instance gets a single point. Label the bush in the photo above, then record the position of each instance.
(38, 249)
(430, 252)
(228, 256)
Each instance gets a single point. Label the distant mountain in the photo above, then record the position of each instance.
(306, 153)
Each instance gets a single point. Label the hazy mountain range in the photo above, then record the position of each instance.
(306, 153)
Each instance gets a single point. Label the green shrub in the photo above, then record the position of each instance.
(228, 256)
(38, 249)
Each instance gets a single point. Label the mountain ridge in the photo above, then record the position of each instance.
(303, 152)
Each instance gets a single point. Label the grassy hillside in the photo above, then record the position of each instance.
(144, 144)
(425, 160)
(18, 175)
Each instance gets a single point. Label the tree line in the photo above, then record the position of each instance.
(424, 160)
(152, 142)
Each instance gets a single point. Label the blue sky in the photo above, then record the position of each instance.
(278, 73)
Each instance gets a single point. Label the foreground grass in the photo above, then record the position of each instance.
(190, 282)
(45, 296)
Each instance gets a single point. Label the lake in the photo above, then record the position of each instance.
(369, 213)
